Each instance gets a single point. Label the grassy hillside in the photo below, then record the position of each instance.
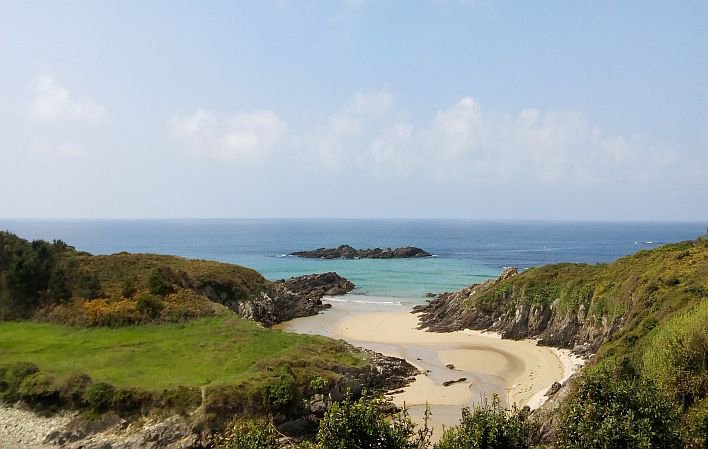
(54, 282)
(205, 351)
(637, 292)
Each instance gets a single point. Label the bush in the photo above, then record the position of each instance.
(612, 409)
(159, 282)
(38, 389)
(89, 286)
(677, 356)
(128, 286)
(149, 305)
(247, 435)
(100, 397)
(695, 426)
(489, 426)
(73, 390)
(281, 390)
(131, 401)
(319, 384)
(13, 377)
(360, 424)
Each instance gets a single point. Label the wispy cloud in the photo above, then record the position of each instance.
(52, 101)
(245, 136)
(464, 141)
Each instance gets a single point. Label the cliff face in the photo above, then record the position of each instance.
(578, 306)
(283, 300)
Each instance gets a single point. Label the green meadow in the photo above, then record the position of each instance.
(221, 350)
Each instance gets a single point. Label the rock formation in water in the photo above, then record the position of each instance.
(347, 252)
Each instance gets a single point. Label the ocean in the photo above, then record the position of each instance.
(465, 251)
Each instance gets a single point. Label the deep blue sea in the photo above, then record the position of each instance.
(465, 251)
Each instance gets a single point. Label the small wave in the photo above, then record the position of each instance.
(282, 255)
(363, 301)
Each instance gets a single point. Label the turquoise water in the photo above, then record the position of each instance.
(466, 251)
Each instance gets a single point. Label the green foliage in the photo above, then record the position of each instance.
(100, 396)
(489, 426)
(128, 286)
(58, 286)
(88, 286)
(12, 377)
(159, 282)
(676, 357)
(73, 390)
(615, 409)
(695, 426)
(318, 384)
(247, 434)
(280, 389)
(149, 305)
(39, 389)
(360, 424)
(37, 279)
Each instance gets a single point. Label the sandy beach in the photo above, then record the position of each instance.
(519, 372)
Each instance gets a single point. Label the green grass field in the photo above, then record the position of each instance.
(223, 350)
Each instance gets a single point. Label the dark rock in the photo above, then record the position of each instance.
(554, 389)
(450, 366)
(447, 383)
(347, 252)
(292, 298)
(430, 295)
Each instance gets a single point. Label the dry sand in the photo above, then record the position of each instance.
(519, 372)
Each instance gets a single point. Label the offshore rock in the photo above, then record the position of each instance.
(348, 252)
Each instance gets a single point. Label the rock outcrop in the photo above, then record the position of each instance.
(282, 300)
(551, 324)
(347, 252)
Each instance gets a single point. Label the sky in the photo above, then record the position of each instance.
(478, 109)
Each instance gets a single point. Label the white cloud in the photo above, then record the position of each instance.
(465, 142)
(244, 136)
(52, 102)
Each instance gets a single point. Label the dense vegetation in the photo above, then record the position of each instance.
(53, 281)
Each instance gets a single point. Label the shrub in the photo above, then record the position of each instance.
(280, 390)
(677, 356)
(149, 305)
(14, 375)
(611, 409)
(695, 426)
(361, 424)
(88, 286)
(38, 389)
(319, 384)
(128, 286)
(247, 435)
(73, 390)
(100, 396)
(489, 426)
(159, 283)
(129, 401)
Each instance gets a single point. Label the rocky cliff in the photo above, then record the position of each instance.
(579, 306)
(283, 300)
(347, 252)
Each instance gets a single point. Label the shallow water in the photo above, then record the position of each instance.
(466, 251)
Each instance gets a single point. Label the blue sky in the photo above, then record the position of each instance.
(441, 108)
